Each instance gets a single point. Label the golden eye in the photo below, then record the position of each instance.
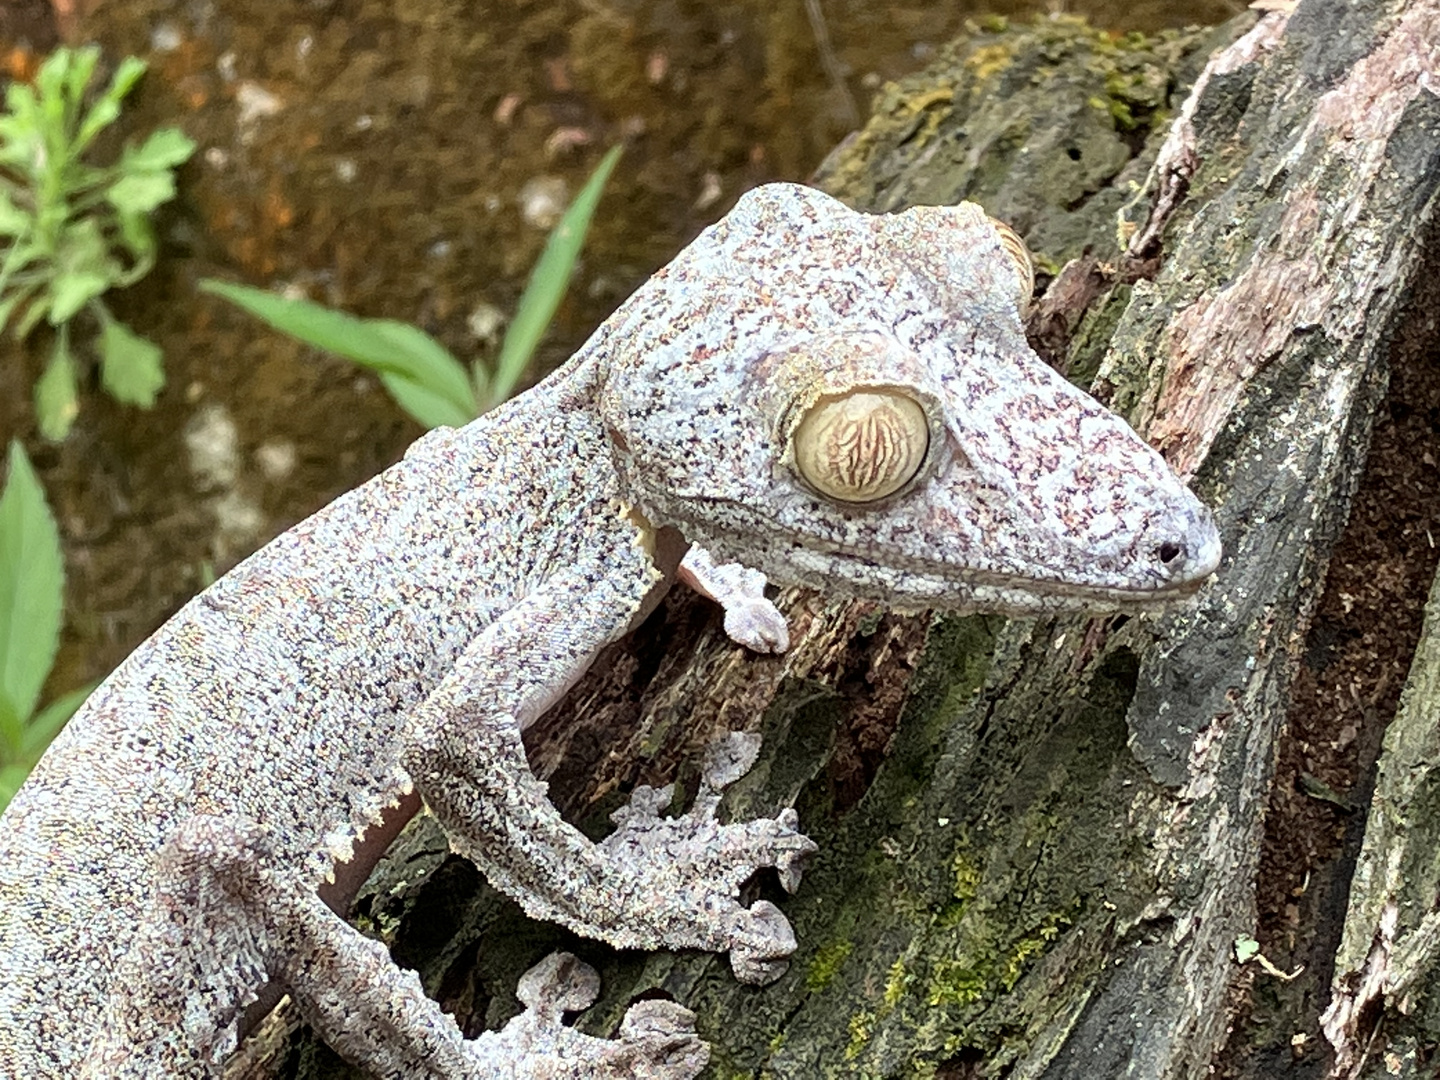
(863, 445)
(1024, 267)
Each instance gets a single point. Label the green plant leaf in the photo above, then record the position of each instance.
(21, 134)
(19, 256)
(34, 312)
(57, 402)
(79, 67)
(548, 282)
(381, 345)
(32, 586)
(428, 364)
(12, 730)
(138, 193)
(125, 77)
(132, 368)
(138, 237)
(82, 247)
(84, 269)
(11, 777)
(163, 149)
(46, 724)
(50, 84)
(11, 302)
(107, 107)
(101, 115)
(423, 405)
(13, 220)
(20, 101)
(72, 291)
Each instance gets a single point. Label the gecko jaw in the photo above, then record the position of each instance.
(806, 559)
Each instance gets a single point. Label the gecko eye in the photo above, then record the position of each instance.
(863, 445)
(1020, 256)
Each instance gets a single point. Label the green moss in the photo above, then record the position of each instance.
(869, 623)
(1090, 342)
(1120, 113)
(826, 965)
(1032, 945)
(989, 60)
(957, 982)
(862, 1027)
(966, 877)
(896, 983)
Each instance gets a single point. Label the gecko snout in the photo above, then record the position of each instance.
(1188, 555)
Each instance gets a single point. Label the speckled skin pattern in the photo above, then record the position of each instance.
(162, 862)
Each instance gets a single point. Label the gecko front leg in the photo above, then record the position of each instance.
(175, 1008)
(655, 883)
(750, 619)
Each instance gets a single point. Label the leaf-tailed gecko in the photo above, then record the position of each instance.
(808, 393)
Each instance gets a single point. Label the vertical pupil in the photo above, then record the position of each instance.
(863, 446)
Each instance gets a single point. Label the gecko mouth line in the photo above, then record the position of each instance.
(1206, 558)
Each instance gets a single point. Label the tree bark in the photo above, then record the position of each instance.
(1039, 838)
(1384, 1016)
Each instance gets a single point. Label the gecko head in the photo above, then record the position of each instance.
(848, 401)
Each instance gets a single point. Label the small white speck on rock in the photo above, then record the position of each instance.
(275, 459)
(542, 200)
(710, 191)
(165, 37)
(255, 103)
(213, 442)
(485, 322)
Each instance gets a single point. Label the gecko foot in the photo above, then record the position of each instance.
(750, 619)
(686, 871)
(757, 624)
(657, 1038)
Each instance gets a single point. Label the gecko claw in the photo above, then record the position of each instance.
(758, 625)
(729, 758)
(763, 944)
(559, 983)
(791, 869)
(657, 1017)
(790, 863)
(657, 1039)
(669, 1028)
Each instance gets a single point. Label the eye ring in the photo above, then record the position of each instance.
(1024, 264)
(863, 445)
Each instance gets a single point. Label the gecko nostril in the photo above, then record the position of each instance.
(1172, 553)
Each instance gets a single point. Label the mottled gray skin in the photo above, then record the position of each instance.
(161, 865)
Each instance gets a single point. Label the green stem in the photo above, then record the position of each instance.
(91, 192)
(7, 271)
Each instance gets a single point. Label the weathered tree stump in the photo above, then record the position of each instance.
(1039, 839)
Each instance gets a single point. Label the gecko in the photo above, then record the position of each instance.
(806, 395)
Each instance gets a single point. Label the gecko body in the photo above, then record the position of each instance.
(816, 395)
